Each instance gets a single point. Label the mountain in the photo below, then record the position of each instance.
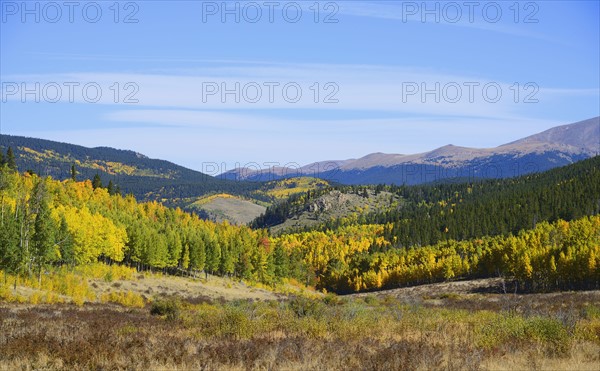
(146, 178)
(555, 147)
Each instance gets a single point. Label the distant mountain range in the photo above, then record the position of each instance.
(559, 146)
(152, 179)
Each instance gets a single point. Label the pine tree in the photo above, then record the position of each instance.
(65, 242)
(9, 242)
(43, 239)
(2, 160)
(10, 159)
(96, 182)
(73, 173)
(110, 188)
(280, 260)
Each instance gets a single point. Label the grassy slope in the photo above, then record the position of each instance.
(443, 326)
(222, 207)
(242, 210)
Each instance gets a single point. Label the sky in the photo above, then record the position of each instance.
(201, 83)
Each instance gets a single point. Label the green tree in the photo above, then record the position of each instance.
(197, 253)
(43, 243)
(9, 241)
(110, 188)
(280, 260)
(73, 173)
(96, 182)
(213, 254)
(65, 242)
(10, 159)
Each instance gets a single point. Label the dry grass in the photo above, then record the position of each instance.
(102, 283)
(163, 285)
(150, 321)
(337, 333)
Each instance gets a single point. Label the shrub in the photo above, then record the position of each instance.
(128, 299)
(168, 307)
(371, 299)
(304, 307)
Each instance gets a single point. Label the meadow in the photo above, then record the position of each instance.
(92, 322)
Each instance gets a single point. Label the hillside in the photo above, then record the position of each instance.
(242, 209)
(145, 178)
(426, 214)
(336, 205)
(221, 207)
(66, 300)
(552, 148)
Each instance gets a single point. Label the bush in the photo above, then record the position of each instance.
(128, 299)
(169, 307)
(304, 307)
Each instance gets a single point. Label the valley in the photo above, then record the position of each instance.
(467, 274)
(300, 185)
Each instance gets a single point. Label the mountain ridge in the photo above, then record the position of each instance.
(144, 177)
(556, 146)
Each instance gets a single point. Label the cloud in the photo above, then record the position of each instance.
(491, 16)
(326, 87)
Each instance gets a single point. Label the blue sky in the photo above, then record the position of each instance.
(337, 84)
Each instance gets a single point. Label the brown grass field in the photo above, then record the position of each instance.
(220, 324)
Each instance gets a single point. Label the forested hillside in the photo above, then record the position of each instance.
(47, 222)
(428, 214)
(146, 178)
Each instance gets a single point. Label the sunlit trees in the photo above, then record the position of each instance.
(45, 222)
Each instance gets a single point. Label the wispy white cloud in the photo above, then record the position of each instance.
(453, 14)
(402, 90)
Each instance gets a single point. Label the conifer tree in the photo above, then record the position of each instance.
(42, 242)
(96, 182)
(110, 188)
(10, 159)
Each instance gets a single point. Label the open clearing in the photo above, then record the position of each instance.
(214, 288)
